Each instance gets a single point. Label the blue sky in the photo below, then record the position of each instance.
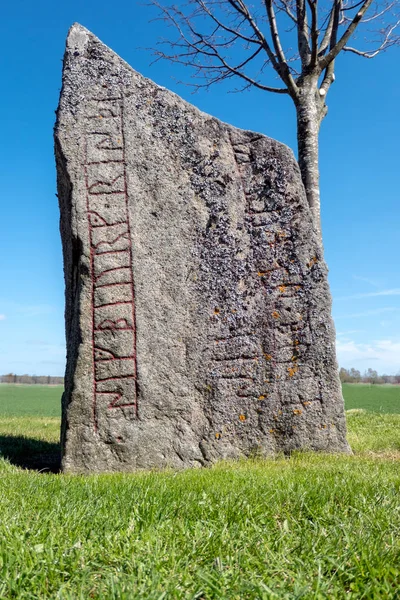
(359, 179)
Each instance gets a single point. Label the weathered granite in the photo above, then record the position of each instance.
(197, 306)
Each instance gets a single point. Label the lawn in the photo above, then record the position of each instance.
(311, 527)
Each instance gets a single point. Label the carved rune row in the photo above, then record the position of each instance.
(240, 362)
(113, 298)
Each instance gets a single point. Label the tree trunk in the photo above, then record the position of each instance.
(310, 109)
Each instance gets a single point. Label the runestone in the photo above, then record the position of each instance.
(198, 313)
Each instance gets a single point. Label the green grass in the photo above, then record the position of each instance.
(34, 400)
(375, 398)
(310, 527)
(370, 433)
(31, 442)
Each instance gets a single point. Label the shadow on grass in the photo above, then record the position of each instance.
(31, 453)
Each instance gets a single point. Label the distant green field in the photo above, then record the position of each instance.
(30, 400)
(45, 401)
(374, 398)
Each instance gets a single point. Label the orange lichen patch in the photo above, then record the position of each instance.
(292, 370)
(312, 262)
(242, 418)
(297, 411)
(100, 116)
(275, 314)
(278, 377)
(267, 356)
(234, 310)
(261, 397)
(279, 412)
(296, 342)
(323, 426)
(298, 287)
(282, 288)
(262, 273)
(306, 403)
(217, 435)
(294, 357)
(281, 234)
(272, 430)
(216, 311)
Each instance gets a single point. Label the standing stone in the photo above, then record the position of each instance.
(197, 306)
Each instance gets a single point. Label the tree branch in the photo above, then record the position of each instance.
(225, 27)
(284, 69)
(274, 32)
(379, 14)
(387, 43)
(328, 31)
(329, 75)
(302, 33)
(332, 54)
(286, 8)
(241, 8)
(346, 8)
(202, 47)
(314, 32)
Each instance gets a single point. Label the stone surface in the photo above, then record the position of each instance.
(197, 306)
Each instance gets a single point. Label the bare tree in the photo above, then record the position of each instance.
(296, 41)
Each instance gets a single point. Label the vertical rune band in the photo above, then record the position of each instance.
(113, 298)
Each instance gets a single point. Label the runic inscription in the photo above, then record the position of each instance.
(246, 364)
(112, 294)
